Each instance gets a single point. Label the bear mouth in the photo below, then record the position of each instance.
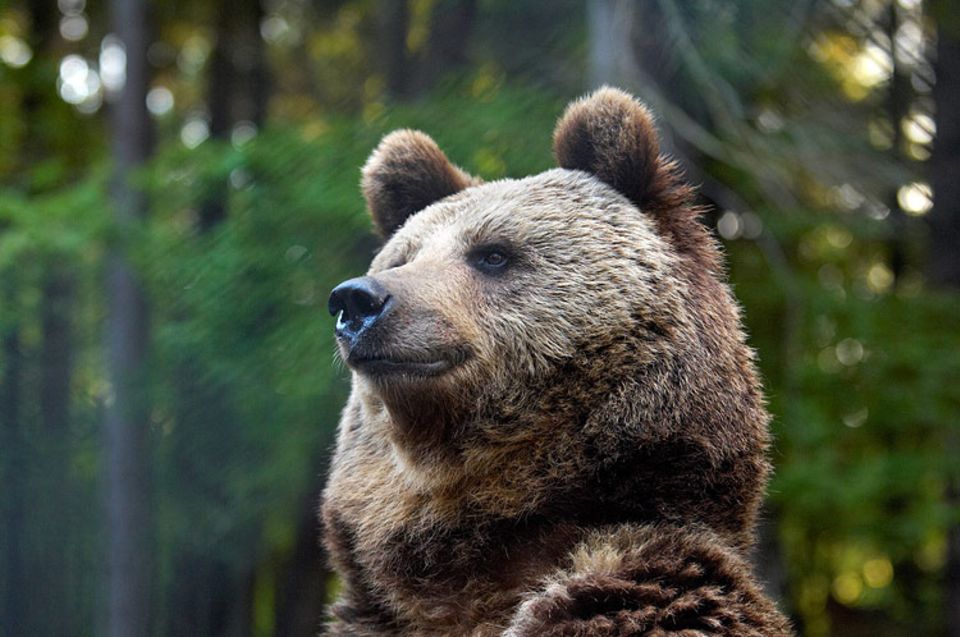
(400, 367)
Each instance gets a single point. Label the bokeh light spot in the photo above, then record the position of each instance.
(113, 63)
(857, 418)
(916, 198)
(242, 133)
(74, 28)
(919, 128)
(14, 52)
(160, 101)
(729, 225)
(878, 572)
(194, 132)
(879, 278)
(849, 351)
(847, 588)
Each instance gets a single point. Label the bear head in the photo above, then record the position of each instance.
(563, 344)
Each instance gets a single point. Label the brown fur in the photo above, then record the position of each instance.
(652, 580)
(406, 173)
(610, 135)
(600, 431)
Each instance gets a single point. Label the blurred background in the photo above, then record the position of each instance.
(180, 192)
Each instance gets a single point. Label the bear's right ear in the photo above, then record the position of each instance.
(611, 135)
(406, 173)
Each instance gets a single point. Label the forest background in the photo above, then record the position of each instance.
(179, 193)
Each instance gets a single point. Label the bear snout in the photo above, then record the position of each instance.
(388, 338)
(357, 304)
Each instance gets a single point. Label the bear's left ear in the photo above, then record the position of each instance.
(406, 173)
(611, 135)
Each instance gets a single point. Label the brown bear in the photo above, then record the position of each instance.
(555, 426)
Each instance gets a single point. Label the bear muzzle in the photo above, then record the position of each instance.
(361, 306)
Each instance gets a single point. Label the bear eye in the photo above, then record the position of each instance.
(490, 260)
(494, 260)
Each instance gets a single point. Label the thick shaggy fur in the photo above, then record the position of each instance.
(656, 580)
(592, 458)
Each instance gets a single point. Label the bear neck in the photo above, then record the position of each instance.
(624, 451)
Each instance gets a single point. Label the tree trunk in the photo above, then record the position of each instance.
(944, 263)
(394, 17)
(13, 604)
(944, 218)
(239, 79)
(128, 454)
(899, 96)
(51, 594)
(209, 585)
(210, 597)
(446, 49)
(612, 59)
(238, 85)
(302, 592)
(41, 535)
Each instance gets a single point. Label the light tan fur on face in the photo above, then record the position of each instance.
(602, 407)
(521, 329)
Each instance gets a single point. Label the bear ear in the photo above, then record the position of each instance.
(406, 173)
(611, 135)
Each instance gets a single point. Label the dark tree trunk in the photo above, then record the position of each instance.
(211, 587)
(302, 590)
(944, 218)
(18, 615)
(216, 596)
(128, 454)
(899, 97)
(952, 568)
(394, 17)
(238, 85)
(42, 538)
(40, 91)
(56, 357)
(240, 75)
(50, 591)
(447, 45)
(189, 602)
(944, 264)
(13, 604)
(210, 597)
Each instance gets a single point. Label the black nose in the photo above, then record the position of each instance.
(358, 302)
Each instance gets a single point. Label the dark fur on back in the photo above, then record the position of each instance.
(593, 462)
